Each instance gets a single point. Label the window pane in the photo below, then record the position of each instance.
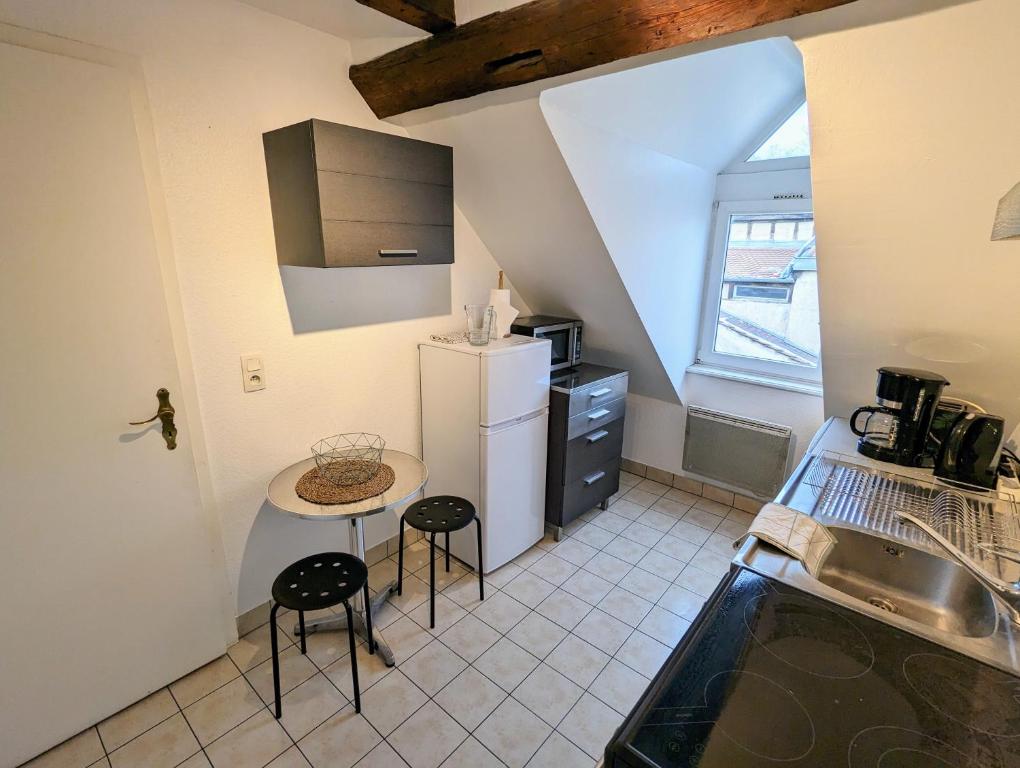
(763, 292)
(785, 230)
(738, 230)
(769, 300)
(791, 139)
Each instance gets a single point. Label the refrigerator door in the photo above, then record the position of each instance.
(512, 506)
(514, 382)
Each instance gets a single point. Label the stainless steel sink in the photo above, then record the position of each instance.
(889, 570)
(910, 583)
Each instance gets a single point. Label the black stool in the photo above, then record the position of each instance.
(314, 583)
(439, 514)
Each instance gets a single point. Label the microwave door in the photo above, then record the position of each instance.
(561, 346)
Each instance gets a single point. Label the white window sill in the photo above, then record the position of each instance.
(759, 379)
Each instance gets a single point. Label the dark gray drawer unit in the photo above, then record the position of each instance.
(349, 197)
(587, 406)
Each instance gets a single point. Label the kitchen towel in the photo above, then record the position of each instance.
(794, 533)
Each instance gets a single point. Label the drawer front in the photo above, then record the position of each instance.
(597, 394)
(372, 244)
(590, 489)
(586, 453)
(349, 197)
(596, 417)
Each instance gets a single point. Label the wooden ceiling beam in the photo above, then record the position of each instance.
(431, 15)
(546, 38)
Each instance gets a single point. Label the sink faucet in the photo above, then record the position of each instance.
(1007, 593)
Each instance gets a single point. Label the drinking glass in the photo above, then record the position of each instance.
(481, 323)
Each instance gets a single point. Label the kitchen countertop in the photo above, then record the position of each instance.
(771, 675)
(582, 375)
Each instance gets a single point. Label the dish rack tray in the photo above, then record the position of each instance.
(984, 525)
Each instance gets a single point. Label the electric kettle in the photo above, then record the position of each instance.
(970, 451)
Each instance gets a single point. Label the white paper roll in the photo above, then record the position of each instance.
(505, 314)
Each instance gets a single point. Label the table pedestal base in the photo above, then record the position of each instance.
(333, 623)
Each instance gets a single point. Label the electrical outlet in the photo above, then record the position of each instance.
(253, 372)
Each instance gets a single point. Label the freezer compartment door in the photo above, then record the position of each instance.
(514, 384)
(512, 506)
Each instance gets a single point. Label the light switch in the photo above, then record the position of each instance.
(253, 373)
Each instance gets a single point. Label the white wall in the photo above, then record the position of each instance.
(654, 430)
(218, 75)
(914, 132)
(653, 213)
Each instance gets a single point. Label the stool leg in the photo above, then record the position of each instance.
(276, 659)
(301, 624)
(481, 568)
(447, 551)
(432, 581)
(400, 560)
(354, 657)
(368, 620)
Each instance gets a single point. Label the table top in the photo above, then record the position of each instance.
(411, 474)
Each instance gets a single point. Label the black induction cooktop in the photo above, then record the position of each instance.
(772, 676)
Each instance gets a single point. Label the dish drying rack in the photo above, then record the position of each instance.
(983, 525)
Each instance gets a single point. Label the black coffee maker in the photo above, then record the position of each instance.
(896, 429)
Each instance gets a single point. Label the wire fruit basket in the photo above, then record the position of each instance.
(349, 459)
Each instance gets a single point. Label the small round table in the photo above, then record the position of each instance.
(411, 475)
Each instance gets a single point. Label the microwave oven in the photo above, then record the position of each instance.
(563, 332)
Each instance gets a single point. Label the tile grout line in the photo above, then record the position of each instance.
(188, 723)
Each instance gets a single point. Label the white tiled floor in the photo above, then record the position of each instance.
(539, 674)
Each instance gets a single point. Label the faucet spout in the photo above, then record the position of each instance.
(1007, 593)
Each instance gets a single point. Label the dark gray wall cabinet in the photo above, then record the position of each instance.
(350, 197)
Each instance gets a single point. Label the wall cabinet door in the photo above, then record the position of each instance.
(350, 197)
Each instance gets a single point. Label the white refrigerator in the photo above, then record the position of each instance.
(485, 424)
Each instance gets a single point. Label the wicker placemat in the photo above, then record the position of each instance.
(311, 487)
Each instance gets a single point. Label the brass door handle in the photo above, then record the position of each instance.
(165, 413)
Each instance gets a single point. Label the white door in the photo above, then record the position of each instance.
(113, 581)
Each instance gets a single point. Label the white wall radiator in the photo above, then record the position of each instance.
(743, 454)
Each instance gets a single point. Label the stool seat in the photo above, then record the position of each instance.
(434, 515)
(311, 584)
(319, 581)
(439, 514)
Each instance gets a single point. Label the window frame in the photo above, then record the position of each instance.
(712, 295)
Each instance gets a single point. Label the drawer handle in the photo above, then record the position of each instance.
(601, 392)
(594, 437)
(594, 478)
(598, 414)
(398, 253)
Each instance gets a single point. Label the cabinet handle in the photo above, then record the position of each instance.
(598, 414)
(594, 477)
(398, 253)
(601, 392)
(594, 437)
